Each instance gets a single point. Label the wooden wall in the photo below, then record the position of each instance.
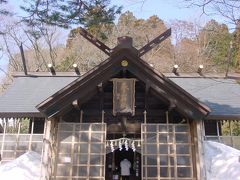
(92, 109)
(145, 99)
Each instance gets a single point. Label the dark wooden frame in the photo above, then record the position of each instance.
(85, 86)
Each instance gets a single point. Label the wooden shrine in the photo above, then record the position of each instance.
(84, 126)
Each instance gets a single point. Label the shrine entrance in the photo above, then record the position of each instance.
(164, 151)
(124, 109)
(113, 163)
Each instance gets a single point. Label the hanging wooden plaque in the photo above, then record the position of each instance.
(123, 96)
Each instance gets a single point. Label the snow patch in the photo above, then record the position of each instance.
(222, 162)
(25, 167)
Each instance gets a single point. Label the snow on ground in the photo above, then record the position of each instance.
(222, 162)
(25, 167)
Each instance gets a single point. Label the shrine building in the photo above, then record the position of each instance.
(84, 125)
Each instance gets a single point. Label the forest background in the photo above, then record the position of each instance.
(40, 27)
(41, 24)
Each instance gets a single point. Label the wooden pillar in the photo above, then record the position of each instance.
(145, 117)
(103, 116)
(3, 139)
(31, 134)
(17, 138)
(45, 173)
(197, 132)
(81, 116)
(49, 148)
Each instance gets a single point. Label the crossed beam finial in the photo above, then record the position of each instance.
(141, 51)
(154, 42)
(95, 41)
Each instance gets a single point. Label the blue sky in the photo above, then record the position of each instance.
(166, 10)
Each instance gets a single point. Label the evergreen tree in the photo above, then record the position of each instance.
(236, 47)
(65, 13)
(218, 42)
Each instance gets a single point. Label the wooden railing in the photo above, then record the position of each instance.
(14, 145)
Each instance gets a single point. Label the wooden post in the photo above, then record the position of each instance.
(230, 129)
(72, 151)
(203, 131)
(81, 116)
(198, 139)
(30, 142)
(169, 152)
(158, 154)
(41, 166)
(89, 148)
(45, 167)
(145, 117)
(174, 152)
(103, 116)
(191, 149)
(53, 145)
(17, 138)
(167, 118)
(3, 140)
(218, 133)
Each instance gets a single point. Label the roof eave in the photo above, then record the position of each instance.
(21, 114)
(223, 117)
(49, 106)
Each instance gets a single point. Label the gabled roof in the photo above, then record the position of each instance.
(26, 92)
(85, 86)
(49, 95)
(221, 95)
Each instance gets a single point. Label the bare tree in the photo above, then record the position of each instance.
(43, 41)
(3, 10)
(200, 45)
(229, 9)
(40, 45)
(142, 32)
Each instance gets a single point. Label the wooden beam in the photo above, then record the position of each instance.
(23, 59)
(101, 94)
(21, 114)
(80, 88)
(147, 88)
(171, 91)
(95, 41)
(88, 82)
(154, 42)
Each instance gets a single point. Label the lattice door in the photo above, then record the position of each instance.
(81, 151)
(166, 152)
